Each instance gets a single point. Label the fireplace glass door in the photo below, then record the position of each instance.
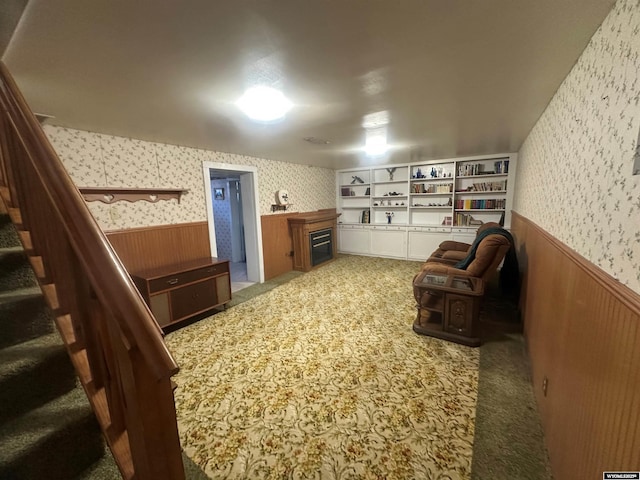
(321, 246)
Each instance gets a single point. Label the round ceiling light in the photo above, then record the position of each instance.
(264, 104)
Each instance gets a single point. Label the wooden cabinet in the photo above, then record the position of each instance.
(180, 291)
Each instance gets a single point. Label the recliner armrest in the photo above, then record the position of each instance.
(455, 246)
(455, 255)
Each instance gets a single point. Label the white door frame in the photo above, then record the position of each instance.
(250, 215)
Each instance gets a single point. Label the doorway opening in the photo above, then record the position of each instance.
(231, 194)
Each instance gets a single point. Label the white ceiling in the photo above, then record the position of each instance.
(456, 77)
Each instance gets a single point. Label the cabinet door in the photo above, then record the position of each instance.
(389, 243)
(223, 289)
(353, 240)
(193, 298)
(423, 244)
(159, 305)
(458, 314)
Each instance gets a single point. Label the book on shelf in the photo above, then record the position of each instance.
(484, 204)
(466, 220)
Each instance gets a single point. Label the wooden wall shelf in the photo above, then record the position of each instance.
(275, 208)
(110, 195)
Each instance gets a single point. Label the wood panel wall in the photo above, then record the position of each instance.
(152, 247)
(582, 330)
(277, 244)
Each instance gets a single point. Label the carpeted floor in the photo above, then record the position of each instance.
(508, 440)
(323, 377)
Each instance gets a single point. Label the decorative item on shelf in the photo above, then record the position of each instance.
(365, 218)
(218, 193)
(433, 173)
(345, 191)
(389, 216)
(447, 220)
(390, 171)
(367, 192)
(282, 197)
(282, 201)
(356, 179)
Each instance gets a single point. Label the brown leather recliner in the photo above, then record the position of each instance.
(451, 252)
(490, 252)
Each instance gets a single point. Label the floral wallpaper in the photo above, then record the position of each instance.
(98, 160)
(575, 168)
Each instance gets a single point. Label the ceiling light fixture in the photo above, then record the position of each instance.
(264, 104)
(376, 142)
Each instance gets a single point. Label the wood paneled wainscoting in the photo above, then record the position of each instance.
(582, 330)
(277, 244)
(153, 247)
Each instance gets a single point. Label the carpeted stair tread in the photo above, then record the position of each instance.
(24, 316)
(57, 440)
(26, 373)
(104, 469)
(16, 359)
(15, 270)
(20, 294)
(6, 251)
(8, 235)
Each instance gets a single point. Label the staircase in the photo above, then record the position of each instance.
(47, 427)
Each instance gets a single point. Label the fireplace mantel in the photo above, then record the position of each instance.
(301, 226)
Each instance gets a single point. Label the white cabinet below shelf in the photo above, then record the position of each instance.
(353, 239)
(389, 241)
(422, 244)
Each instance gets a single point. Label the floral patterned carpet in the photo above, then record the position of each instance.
(323, 378)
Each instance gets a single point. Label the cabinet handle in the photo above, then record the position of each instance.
(209, 270)
(173, 281)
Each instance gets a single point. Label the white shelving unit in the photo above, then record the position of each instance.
(407, 210)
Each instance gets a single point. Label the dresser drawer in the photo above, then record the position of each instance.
(193, 298)
(183, 278)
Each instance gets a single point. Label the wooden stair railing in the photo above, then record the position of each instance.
(114, 342)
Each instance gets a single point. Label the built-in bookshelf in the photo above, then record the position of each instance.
(457, 192)
(406, 210)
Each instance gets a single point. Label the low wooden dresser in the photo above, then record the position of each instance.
(177, 292)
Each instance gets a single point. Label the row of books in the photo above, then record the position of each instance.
(465, 220)
(432, 188)
(488, 186)
(486, 204)
(468, 169)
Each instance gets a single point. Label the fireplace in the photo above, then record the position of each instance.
(313, 238)
(321, 245)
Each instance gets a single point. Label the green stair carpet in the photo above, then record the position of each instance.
(47, 428)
